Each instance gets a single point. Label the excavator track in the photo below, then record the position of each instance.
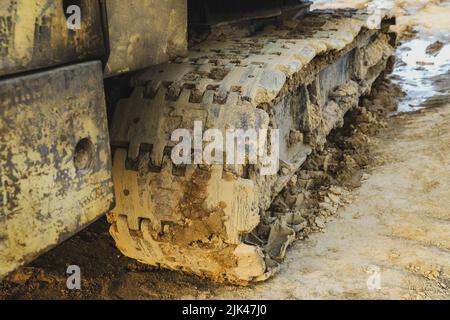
(298, 76)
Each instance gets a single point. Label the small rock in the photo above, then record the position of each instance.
(328, 208)
(424, 63)
(21, 276)
(320, 222)
(300, 200)
(336, 190)
(335, 199)
(434, 48)
(293, 181)
(290, 199)
(304, 175)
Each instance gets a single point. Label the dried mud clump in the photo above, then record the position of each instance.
(323, 184)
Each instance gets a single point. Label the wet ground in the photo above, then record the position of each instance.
(391, 241)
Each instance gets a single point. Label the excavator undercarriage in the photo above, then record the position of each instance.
(272, 66)
(299, 76)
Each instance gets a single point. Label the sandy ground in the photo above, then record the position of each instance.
(392, 241)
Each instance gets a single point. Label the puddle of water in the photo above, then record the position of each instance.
(381, 5)
(416, 72)
(425, 78)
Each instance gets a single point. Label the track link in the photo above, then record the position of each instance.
(299, 76)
